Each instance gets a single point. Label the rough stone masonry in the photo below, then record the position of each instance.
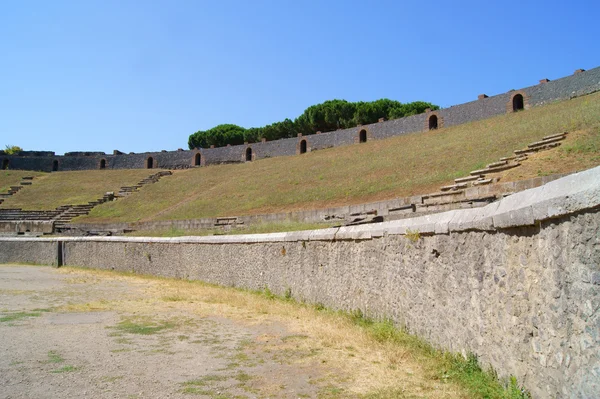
(516, 282)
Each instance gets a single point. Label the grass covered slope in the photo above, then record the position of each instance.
(51, 190)
(13, 178)
(400, 166)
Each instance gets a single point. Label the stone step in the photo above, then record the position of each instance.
(496, 169)
(536, 149)
(494, 164)
(483, 182)
(454, 187)
(544, 142)
(553, 136)
(26, 183)
(508, 158)
(467, 179)
(442, 193)
(27, 178)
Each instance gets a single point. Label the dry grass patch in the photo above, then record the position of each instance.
(377, 170)
(51, 190)
(366, 359)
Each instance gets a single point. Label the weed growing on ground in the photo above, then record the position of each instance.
(55, 357)
(18, 316)
(142, 326)
(65, 369)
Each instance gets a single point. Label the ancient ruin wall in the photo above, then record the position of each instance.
(516, 282)
(580, 83)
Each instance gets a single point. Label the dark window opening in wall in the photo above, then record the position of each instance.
(433, 122)
(5, 164)
(248, 154)
(302, 146)
(518, 104)
(150, 163)
(103, 164)
(55, 165)
(362, 136)
(197, 159)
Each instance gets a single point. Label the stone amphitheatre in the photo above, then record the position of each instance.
(475, 228)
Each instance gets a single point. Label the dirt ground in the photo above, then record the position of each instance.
(71, 333)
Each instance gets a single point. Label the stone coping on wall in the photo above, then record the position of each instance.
(571, 194)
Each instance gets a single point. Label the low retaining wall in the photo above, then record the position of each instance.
(517, 282)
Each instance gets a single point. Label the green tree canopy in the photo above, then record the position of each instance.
(328, 116)
(12, 149)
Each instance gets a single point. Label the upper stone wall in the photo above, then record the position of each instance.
(578, 84)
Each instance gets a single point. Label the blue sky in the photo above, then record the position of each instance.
(143, 75)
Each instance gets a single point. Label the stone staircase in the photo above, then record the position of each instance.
(480, 177)
(127, 190)
(63, 215)
(25, 181)
(463, 193)
(68, 212)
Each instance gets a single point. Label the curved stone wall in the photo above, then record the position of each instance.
(516, 282)
(580, 83)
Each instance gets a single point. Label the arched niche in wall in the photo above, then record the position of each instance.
(433, 121)
(102, 164)
(150, 163)
(249, 154)
(302, 146)
(362, 136)
(55, 165)
(5, 163)
(518, 101)
(197, 159)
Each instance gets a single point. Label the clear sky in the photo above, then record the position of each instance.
(87, 75)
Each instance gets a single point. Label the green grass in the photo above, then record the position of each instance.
(11, 317)
(55, 357)
(51, 190)
(588, 144)
(377, 170)
(142, 326)
(65, 369)
(445, 366)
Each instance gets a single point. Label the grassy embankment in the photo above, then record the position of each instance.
(413, 164)
(377, 170)
(51, 190)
